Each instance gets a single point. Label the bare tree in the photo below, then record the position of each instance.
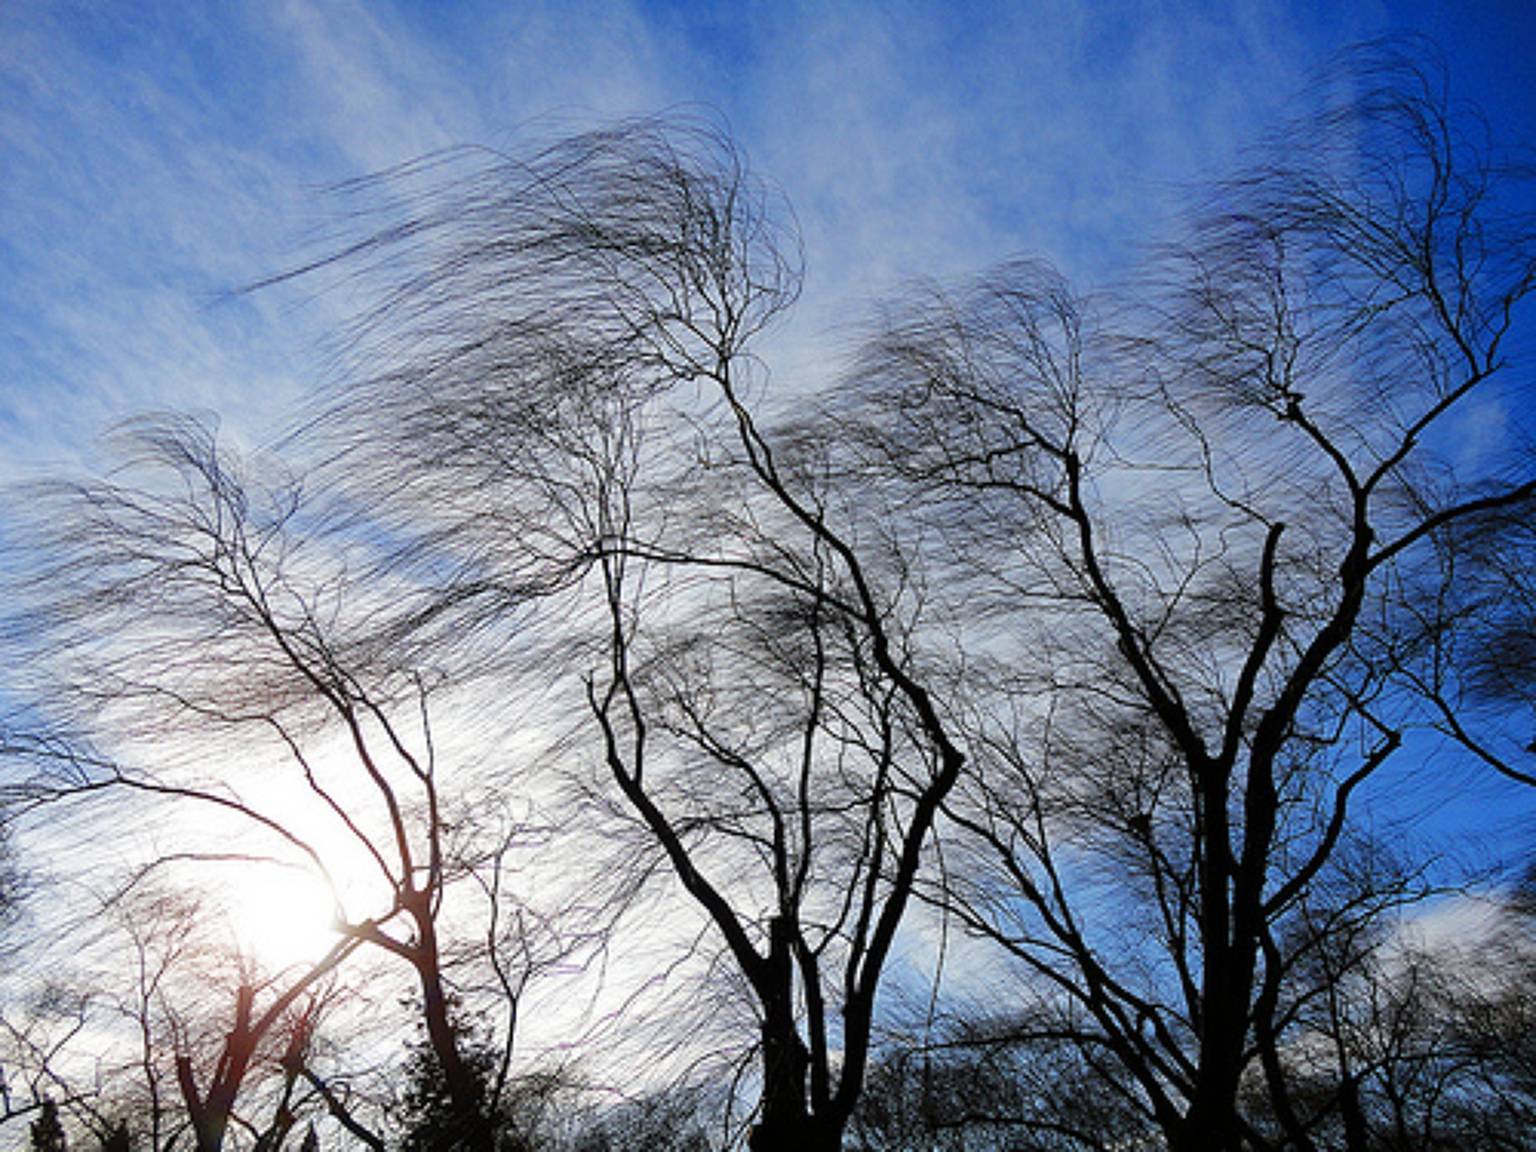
(1129, 597)
(559, 413)
(193, 623)
(1421, 1042)
(1191, 539)
(987, 1081)
(33, 1035)
(133, 1033)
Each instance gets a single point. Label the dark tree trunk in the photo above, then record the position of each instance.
(786, 1064)
(1212, 1123)
(210, 1113)
(473, 1129)
(1357, 1136)
(787, 1124)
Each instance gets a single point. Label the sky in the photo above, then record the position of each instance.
(155, 156)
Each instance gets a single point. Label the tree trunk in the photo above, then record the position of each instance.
(210, 1113)
(786, 1064)
(1211, 1123)
(787, 1123)
(809, 1134)
(1357, 1137)
(474, 1131)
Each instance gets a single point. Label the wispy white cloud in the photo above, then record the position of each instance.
(152, 156)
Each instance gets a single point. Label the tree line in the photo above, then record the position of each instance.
(984, 748)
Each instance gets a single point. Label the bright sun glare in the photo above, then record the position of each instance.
(280, 916)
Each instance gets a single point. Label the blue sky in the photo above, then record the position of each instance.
(154, 155)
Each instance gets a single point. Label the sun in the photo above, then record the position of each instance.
(282, 916)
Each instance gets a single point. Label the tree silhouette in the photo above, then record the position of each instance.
(195, 609)
(47, 1131)
(1082, 622)
(560, 409)
(1197, 544)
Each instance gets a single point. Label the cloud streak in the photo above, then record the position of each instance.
(152, 160)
